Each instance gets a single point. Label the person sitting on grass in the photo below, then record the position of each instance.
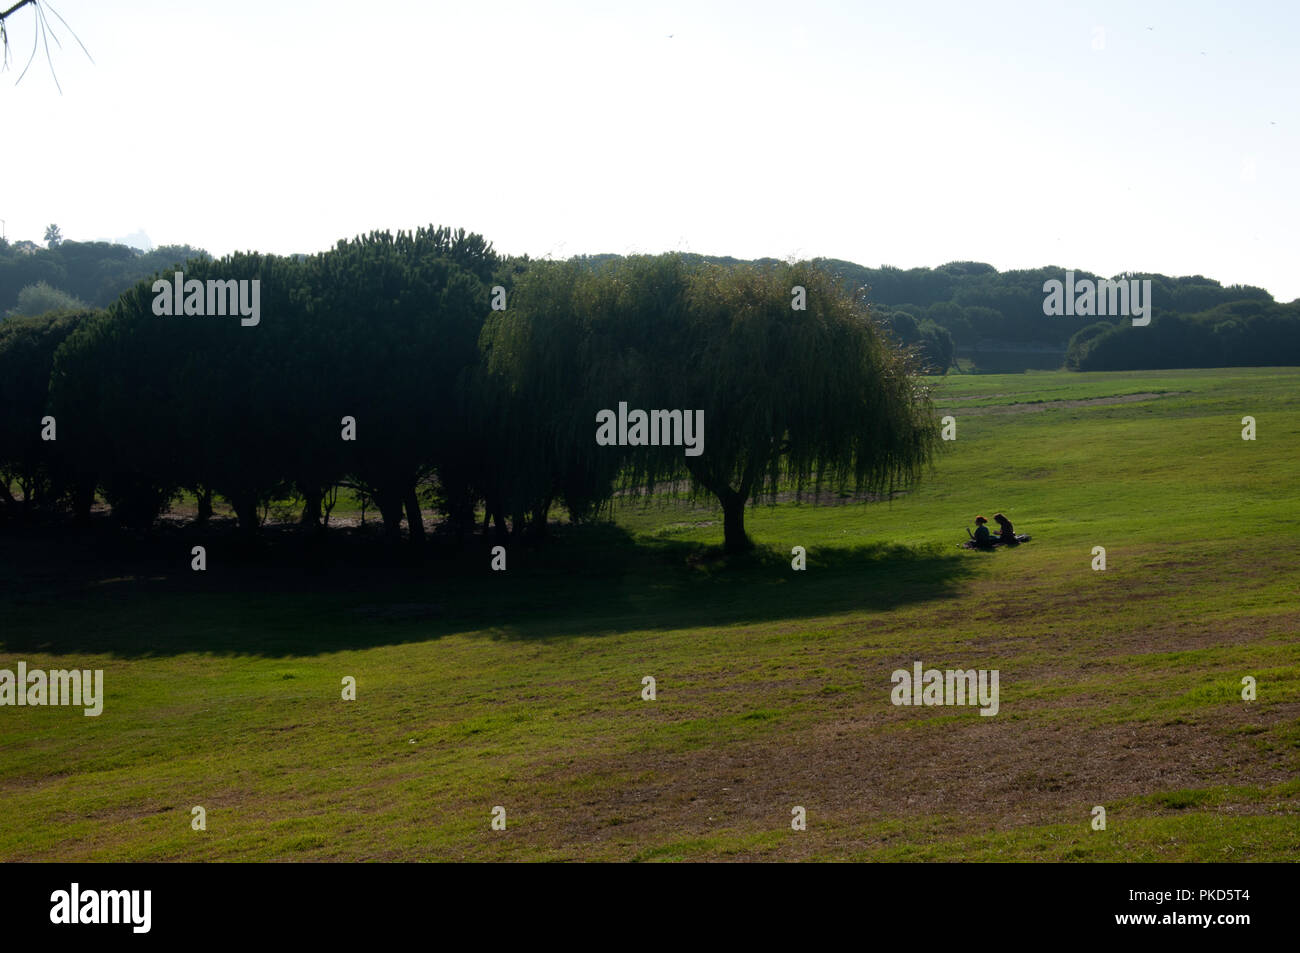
(983, 538)
(1007, 535)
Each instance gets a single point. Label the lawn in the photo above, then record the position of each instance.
(522, 689)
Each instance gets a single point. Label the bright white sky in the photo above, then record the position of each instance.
(1109, 136)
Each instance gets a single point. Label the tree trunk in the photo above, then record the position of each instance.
(246, 511)
(733, 522)
(6, 496)
(25, 487)
(540, 512)
(311, 507)
(330, 499)
(499, 518)
(733, 502)
(205, 507)
(390, 508)
(83, 500)
(414, 519)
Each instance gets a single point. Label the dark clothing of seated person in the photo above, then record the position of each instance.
(983, 538)
(1007, 535)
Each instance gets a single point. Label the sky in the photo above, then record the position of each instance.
(1110, 136)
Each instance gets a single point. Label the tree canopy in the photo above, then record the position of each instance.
(422, 368)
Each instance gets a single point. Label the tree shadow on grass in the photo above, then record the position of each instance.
(97, 593)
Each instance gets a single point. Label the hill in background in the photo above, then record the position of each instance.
(962, 313)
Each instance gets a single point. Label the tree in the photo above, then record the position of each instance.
(931, 343)
(153, 403)
(53, 237)
(399, 319)
(40, 298)
(35, 466)
(1083, 341)
(94, 272)
(791, 398)
(534, 397)
(935, 347)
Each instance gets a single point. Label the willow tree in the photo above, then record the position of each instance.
(541, 357)
(43, 33)
(799, 388)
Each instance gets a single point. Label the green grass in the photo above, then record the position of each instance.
(522, 689)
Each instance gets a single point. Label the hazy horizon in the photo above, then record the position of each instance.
(1105, 138)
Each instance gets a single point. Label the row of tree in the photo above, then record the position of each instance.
(91, 272)
(1237, 334)
(961, 305)
(977, 303)
(933, 343)
(422, 368)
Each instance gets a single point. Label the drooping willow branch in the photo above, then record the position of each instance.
(17, 6)
(41, 38)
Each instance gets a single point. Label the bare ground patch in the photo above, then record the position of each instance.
(1038, 405)
(982, 773)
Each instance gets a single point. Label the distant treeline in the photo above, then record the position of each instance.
(1249, 333)
(423, 369)
(91, 273)
(980, 306)
(971, 306)
(966, 307)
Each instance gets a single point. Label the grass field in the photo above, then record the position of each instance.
(522, 688)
